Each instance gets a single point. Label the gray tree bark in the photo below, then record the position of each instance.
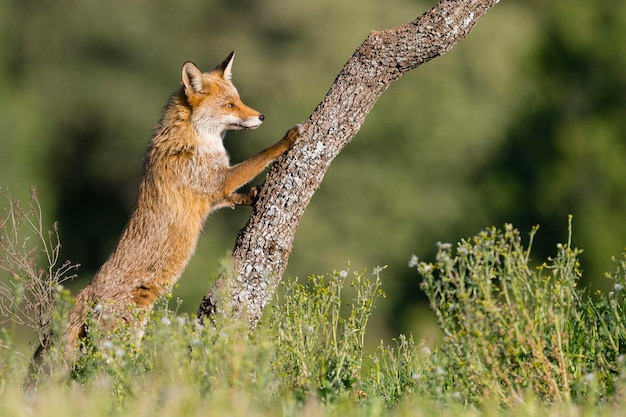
(263, 246)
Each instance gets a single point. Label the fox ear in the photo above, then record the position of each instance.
(225, 67)
(192, 78)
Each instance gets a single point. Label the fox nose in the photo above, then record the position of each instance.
(261, 117)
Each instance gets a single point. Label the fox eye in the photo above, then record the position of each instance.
(230, 105)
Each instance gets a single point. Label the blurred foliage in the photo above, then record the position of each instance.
(523, 122)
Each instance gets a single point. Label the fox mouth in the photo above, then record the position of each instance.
(237, 126)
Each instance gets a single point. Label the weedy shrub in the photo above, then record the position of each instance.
(33, 273)
(404, 369)
(512, 330)
(320, 335)
(513, 333)
(217, 358)
(311, 346)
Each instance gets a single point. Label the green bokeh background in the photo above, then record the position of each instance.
(523, 122)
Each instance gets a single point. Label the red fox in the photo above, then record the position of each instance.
(186, 176)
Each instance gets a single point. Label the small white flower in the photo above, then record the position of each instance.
(443, 257)
(120, 353)
(416, 377)
(98, 307)
(107, 344)
(425, 268)
(377, 270)
(343, 273)
(590, 377)
(181, 320)
(426, 350)
(166, 321)
(618, 287)
(456, 395)
(413, 262)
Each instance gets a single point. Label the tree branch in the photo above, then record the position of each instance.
(263, 246)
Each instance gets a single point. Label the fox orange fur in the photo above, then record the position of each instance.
(187, 175)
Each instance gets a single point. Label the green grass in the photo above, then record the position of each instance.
(517, 339)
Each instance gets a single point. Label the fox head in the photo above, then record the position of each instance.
(214, 100)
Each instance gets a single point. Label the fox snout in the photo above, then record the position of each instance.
(249, 123)
(256, 121)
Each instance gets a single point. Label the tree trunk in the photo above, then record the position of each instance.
(263, 246)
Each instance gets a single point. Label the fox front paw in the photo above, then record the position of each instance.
(253, 194)
(236, 199)
(294, 134)
(249, 198)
